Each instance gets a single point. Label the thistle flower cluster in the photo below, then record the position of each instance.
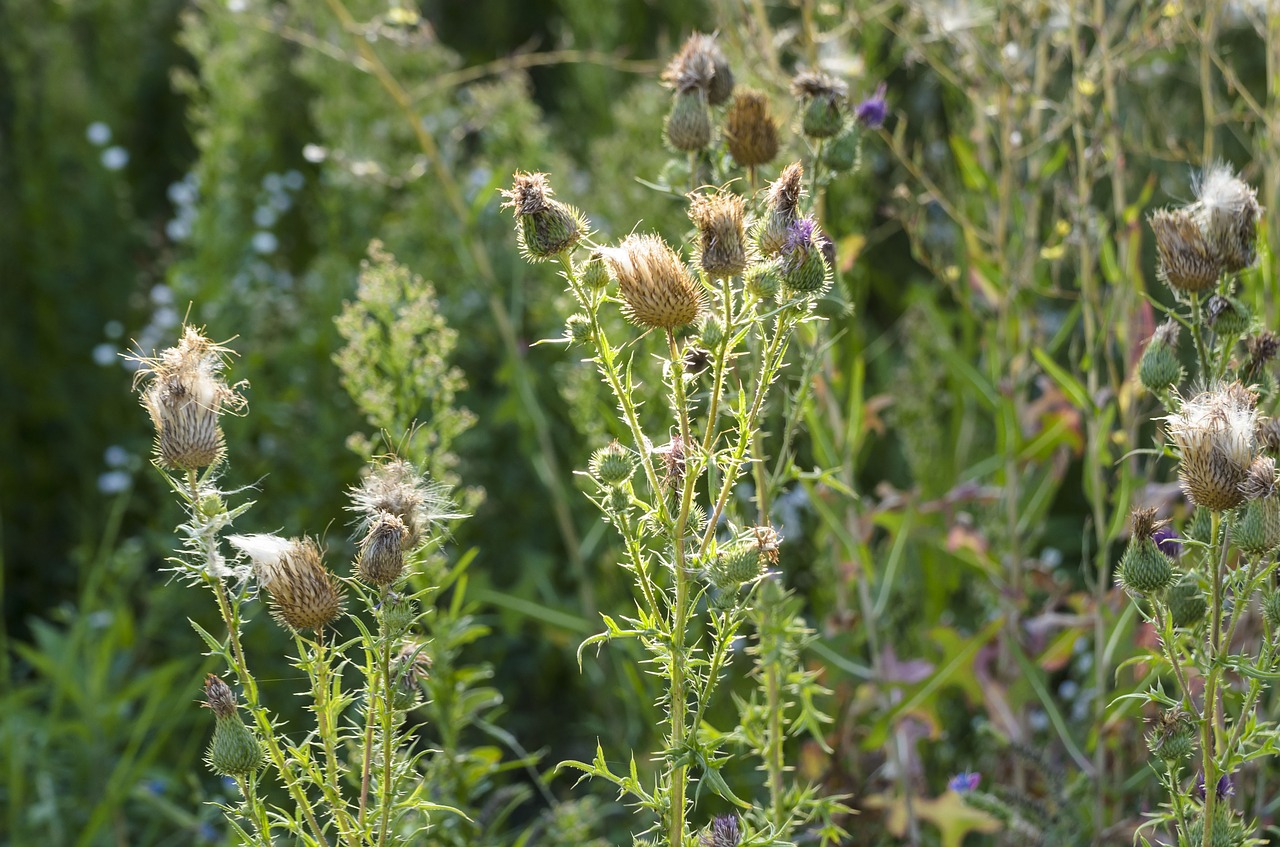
(1216, 234)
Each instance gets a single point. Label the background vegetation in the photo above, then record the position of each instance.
(971, 433)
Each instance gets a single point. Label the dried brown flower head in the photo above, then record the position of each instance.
(700, 64)
(1227, 212)
(1143, 523)
(185, 394)
(382, 551)
(1214, 435)
(1186, 261)
(722, 242)
(673, 463)
(1268, 435)
(304, 595)
(657, 290)
(1260, 481)
(751, 130)
(393, 486)
(1262, 349)
(816, 84)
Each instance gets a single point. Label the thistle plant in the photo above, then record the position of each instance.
(354, 778)
(719, 314)
(1199, 586)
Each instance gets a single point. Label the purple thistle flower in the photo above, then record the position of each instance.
(799, 235)
(963, 783)
(724, 832)
(1226, 788)
(871, 112)
(1167, 540)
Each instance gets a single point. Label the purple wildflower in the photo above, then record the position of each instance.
(724, 832)
(871, 112)
(1167, 540)
(1226, 788)
(963, 783)
(799, 235)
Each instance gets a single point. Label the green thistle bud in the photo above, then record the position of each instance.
(845, 150)
(1256, 530)
(234, 750)
(578, 329)
(688, 125)
(1227, 316)
(1271, 611)
(545, 228)
(804, 269)
(408, 671)
(712, 332)
(822, 102)
(1144, 569)
(619, 502)
(1186, 602)
(1173, 738)
(1159, 367)
(612, 465)
(763, 281)
(595, 275)
(740, 563)
(211, 505)
(398, 613)
(1226, 831)
(1201, 526)
(782, 209)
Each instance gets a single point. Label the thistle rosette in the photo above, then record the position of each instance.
(1214, 434)
(185, 393)
(545, 228)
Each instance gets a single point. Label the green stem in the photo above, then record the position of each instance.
(1208, 719)
(679, 621)
(387, 714)
(774, 761)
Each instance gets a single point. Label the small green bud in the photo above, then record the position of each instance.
(234, 751)
(612, 465)
(1173, 738)
(809, 275)
(1144, 569)
(1186, 602)
(1256, 529)
(763, 281)
(1159, 367)
(545, 228)
(712, 332)
(688, 124)
(844, 151)
(738, 564)
(211, 505)
(1227, 316)
(398, 614)
(595, 276)
(619, 500)
(1201, 526)
(578, 329)
(1271, 611)
(408, 670)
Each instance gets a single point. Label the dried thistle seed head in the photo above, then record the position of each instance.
(657, 290)
(751, 130)
(545, 228)
(871, 113)
(700, 65)
(394, 486)
(218, 697)
(724, 832)
(823, 99)
(1214, 434)
(304, 595)
(688, 124)
(1260, 481)
(1227, 211)
(767, 541)
(382, 551)
(1187, 263)
(612, 465)
(722, 243)
(782, 209)
(185, 393)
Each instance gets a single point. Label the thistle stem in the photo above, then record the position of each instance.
(679, 621)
